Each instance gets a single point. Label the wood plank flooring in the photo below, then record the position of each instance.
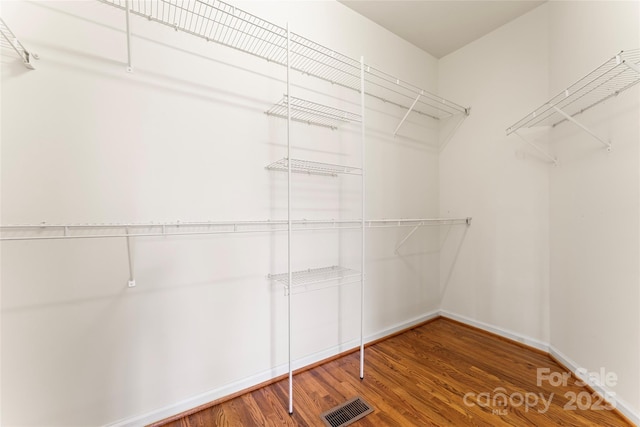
(439, 374)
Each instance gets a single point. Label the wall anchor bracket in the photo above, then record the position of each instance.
(132, 281)
(553, 159)
(583, 127)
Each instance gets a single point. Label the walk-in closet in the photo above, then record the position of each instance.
(319, 213)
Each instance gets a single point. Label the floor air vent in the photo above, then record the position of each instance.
(347, 413)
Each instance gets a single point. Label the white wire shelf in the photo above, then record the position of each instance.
(317, 278)
(405, 222)
(313, 168)
(312, 113)
(416, 224)
(614, 76)
(89, 231)
(220, 22)
(407, 96)
(46, 231)
(10, 41)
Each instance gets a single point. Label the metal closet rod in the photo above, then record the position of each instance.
(69, 231)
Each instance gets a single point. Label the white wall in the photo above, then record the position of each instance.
(595, 205)
(499, 275)
(184, 137)
(553, 254)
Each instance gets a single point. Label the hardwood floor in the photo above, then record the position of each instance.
(439, 374)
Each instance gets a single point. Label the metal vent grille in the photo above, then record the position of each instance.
(347, 413)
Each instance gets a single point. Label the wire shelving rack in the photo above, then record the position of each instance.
(317, 278)
(220, 22)
(313, 168)
(608, 80)
(312, 113)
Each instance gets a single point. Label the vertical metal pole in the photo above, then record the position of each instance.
(362, 219)
(289, 224)
(129, 67)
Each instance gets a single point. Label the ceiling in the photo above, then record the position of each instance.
(440, 27)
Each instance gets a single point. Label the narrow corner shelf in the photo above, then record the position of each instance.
(611, 78)
(312, 113)
(317, 278)
(313, 168)
(9, 40)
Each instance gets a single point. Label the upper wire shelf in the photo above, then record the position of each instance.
(46, 231)
(301, 280)
(220, 22)
(312, 113)
(614, 76)
(313, 168)
(9, 40)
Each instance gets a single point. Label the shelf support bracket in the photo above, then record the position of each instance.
(583, 127)
(460, 117)
(633, 66)
(15, 44)
(553, 159)
(132, 280)
(127, 14)
(415, 101)
(402, 242)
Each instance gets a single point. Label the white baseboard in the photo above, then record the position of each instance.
(245, 383)
(514, 336)
(621, 405)
(568, 363)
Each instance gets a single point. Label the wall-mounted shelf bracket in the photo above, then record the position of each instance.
(415, 101)
(9, 40)
(417, 224)
(132, 280)
(441, 102)
(447, 131)
(551, 158)
(413, 230)
(633, 66)
(583, 127)
(127, 15)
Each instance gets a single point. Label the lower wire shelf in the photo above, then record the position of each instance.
(316, 278)
(313, 168)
